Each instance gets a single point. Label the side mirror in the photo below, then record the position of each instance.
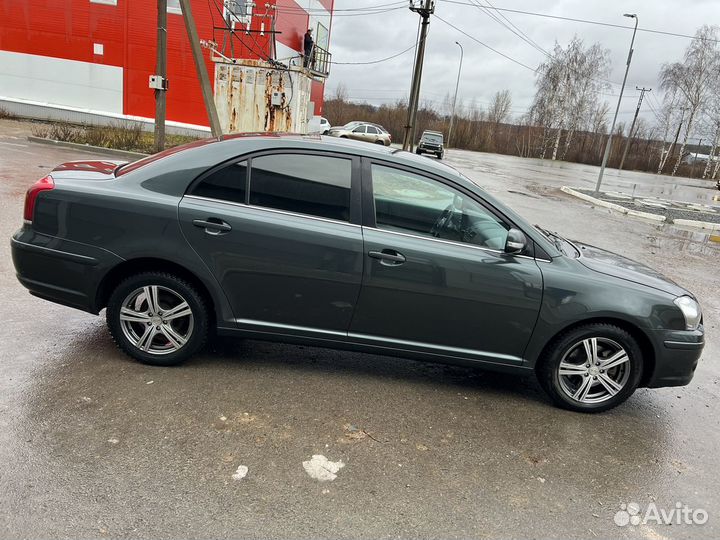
(515, 241)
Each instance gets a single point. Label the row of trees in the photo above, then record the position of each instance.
(569, 116)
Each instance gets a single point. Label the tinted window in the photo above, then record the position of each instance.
(313, 185)
(410, 203)
(360, 129)
(225, 184)
(373, 130)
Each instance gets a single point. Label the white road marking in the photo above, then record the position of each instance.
(322, 469)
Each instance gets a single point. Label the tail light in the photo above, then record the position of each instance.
(44, 184)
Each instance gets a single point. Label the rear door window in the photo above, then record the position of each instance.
(229, 183)
(304, 184)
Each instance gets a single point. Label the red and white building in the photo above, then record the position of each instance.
(90, 60)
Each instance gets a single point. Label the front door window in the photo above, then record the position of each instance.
(414, 204)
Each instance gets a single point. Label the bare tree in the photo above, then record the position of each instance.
(567, 90)
(692, 78)
(499, 110)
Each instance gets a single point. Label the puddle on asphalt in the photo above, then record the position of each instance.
(684, 240)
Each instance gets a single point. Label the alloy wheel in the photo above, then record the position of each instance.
(594, 370)
(156, 319)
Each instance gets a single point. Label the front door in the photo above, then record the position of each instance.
(277, 232)
(436, 277)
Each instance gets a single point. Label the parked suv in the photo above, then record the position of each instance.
(431, 142)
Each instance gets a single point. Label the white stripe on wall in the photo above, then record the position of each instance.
(61, 82)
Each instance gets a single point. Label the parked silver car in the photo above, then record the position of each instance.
(362, 131)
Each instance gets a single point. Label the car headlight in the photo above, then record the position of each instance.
(690, 310)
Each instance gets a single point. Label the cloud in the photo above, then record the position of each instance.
(370, 37)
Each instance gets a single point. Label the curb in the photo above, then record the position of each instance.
(616, 207)
(698, 224)
(707, 225)
(127, 154)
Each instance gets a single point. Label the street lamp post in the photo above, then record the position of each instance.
(617, 109)
(457, 85)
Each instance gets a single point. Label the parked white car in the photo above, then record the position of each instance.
(319, 124)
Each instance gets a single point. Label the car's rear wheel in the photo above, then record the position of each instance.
(380, 141)
(592, 368)
(157, 318)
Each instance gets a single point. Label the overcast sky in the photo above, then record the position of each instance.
(375, 36)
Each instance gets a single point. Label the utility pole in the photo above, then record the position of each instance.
(200, 68)
(457, 85)
(632, 126)
(617, 109)
(161, 72)
(424, 8)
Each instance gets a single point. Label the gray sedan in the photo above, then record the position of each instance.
(341, 244)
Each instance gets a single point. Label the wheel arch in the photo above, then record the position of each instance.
(643, 340)
(150, 264)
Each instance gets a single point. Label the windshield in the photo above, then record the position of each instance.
(564, 246)
(432, 137)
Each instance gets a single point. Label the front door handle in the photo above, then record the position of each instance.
(213, 226)
(388, 257)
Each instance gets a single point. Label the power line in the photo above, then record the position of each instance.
(376, 61)
(496, 18)
(349, 12)
(587, 21)
(518, 62)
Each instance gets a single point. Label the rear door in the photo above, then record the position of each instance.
(281, 233)
(372, 134)
(436, 277)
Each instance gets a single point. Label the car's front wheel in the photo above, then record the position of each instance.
(592, 368)
(157, 318)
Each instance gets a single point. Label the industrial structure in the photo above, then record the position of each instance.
(92, 60)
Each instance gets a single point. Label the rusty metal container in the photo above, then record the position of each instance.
(252, 96)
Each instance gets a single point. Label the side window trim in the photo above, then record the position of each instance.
(368, 201)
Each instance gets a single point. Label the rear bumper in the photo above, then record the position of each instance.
(677, 355)
(58, 270)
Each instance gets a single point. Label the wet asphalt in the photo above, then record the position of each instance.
(94, 445)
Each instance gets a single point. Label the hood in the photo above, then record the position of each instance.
(612, 264)
(88, 169)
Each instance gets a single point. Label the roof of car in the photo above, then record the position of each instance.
(337, 144)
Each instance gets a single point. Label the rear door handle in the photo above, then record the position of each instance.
(388, 257)
(213, 226)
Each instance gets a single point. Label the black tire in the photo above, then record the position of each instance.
(440, 156)
(380, 141)
(418, 152)
(570, 346)
(195, 331)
